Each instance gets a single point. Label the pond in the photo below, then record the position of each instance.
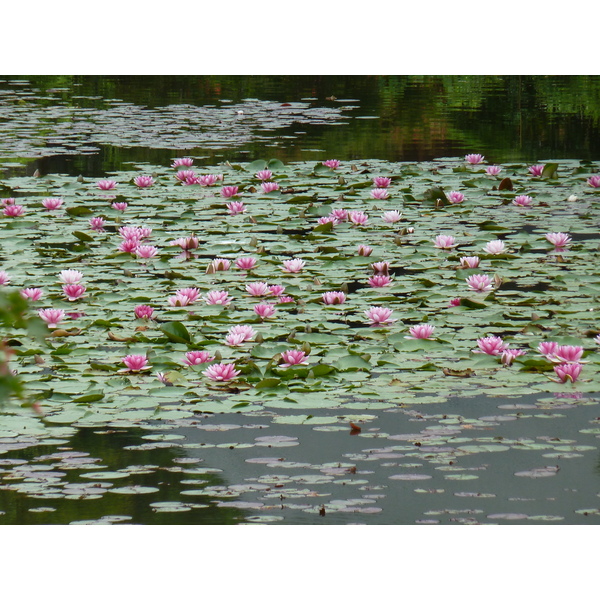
(300, 300)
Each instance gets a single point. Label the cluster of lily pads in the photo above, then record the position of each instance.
(264, 283)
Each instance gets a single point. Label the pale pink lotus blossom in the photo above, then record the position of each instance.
(182, 162)
(445, 242)
(334, 298)
(276, 290)
(455, 302)
(391, 216)
(269, 186)
(246, 263)
(480, 283)
(380, 281)
(327, 219)
(97, 224)
(264, 175)
(14, 210)
(236, 208)
(285, 299)
(209, 180)
(547, 349)
(264, 311)
(474, 159)
(379, 315)
(7, 201)
(536, 170)
(229, 191)
(380, 194)
(469, 262)
(221, 372)
(136, 363)
(381, 182)
(559, 239)
(293, 266)
(566, 354)
(332, 163)
(218, 297)
(495, 247)
(33, 294)
(146, 251)
(178, 300)
(52, 203)
(143, 181)
(129, 245)
(234, 339)
(191, 180)
(568, 372)
(258, 288)
(107, 184)
(421, 332)
(492, 344)
(247, 331)
(70, 276)
(197, 357)
(509, 355)
(143, 311)
(135, 233)
(493, 170)
(364, 250)
(186, 243)
(185, 174)
(455, 197)
(4, 278)
(192, 293)
(120, 206)
(220, 264)
(292, 358)
(522, 201)
(52, 316)
(594, 181)
(73, 291)
(341, 214)
(382, 267)
(358, 217)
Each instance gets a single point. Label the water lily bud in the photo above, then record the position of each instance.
(37, 173)
(398, 240)
(218, 356)
(80, 179)
(341, 180)
(300, 310)
(572, 198)
(154, 175)
(291, 337)
(317, 281)
(344, 288)
(253, 241)
(497, 280)
(259, 338)
(305, 347)
(210, 269)
(366, 357)
(307, 329)
(279, 229)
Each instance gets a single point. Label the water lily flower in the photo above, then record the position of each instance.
(334, 298)
(134, 233)
(32, 293)
(4, 278)
(234, 339)
(380, 281)
(327, 219)
(559, 239)
(455, 302)
(358, 217)
(380, 315)
(143, 311)
(522, 201)
(178, 300)
(455, 197)
(258, 288)
(52, 203)
(14, 210)
(269, 186)
(381, 182)
(246, 331)
(596, 339)
(332, 164)
(52, 316)
(469, 262)
(547, 349)
(129, 245)
(594, 181)
(218, 297)
(566, 354)
(144, 181)
(421, 332)
(245, 263)
(229, 191)
(7, 201)
(276, 290)
(291, 358)
(293, 266)
(97, 224)
(492, 344)
(364, 250)
(392, 216)
(107, 184)
(568, 372)
(73, 291)
(264, 311)
(186, 174)
(474, 159)
(191, 293)
(220, 264)
(284, 299)
(186, 243)
(70, 276)
(120, 206)
(480, 283)
(509, 355)
(382, 267)
(444, 242)
(536, 170)
(495, 247)
(146, 251)
(379, 194)
(197, 357)
(136, 363)
(209, 180)
(236, 208)
(493, 170)
(183, 162)
(222, 372)
(340, 214)
(264, 175)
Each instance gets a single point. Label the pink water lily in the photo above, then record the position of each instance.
(192, 293)
(7, 201)
(73, 291)
(52, 316)
(129, 246)
(508, 356)
(293, 266)
(33, 294)
(547, 349)
(229, 191)
(285, 299)
(566, 354)
(97, 224)
(134, 233)
(264, 311)
(444, 242)
(246, 331)
(380, 281)
(185, 174)
(455, 197)
(455, 302)
(380, 315)
(4, 278)
(364, 250)
(493, 170)
(234, 339)
(594, 181)
(146, 251)
(197, 357)
(536, 170)
(568, 372)
(218, 297)
(144, 181)
(392, 216)
(186, 243)
(327, 219)
(120, 206)
(332, 163)
(469, 262)
(276, 290)
(421, 332)
(221, 372)
(246, 263)
(333, 298)
(183, 162)
(264, 175)
(220, 264)
(492, 344)
(136, 363)
(269, 186)
(358, 217)
(107, 184)
(340, 214)
(559, 239)
(480, 283)
(474, 159)
(178, 300)
(52, 203)
(70, 276)
(380, 194)
(495, 247)
(143, 311)
(258, 288)
(522, 201)
(209, 180)
(381, 182)
(236, 208)
(14, 210)
(292, 358)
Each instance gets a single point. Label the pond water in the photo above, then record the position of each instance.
(378, 429)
